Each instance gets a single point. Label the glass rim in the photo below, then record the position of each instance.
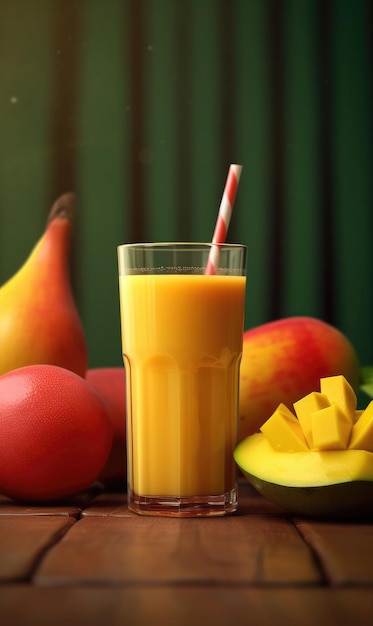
(181, 257)
(180, 244)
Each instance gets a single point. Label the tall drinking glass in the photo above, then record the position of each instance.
(182, 333)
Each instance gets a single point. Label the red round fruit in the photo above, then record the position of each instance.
(55, 433)
(110, 382)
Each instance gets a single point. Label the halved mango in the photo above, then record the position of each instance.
(334, 476)
(316, 484)
(312, 468)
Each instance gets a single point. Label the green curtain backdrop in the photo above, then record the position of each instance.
(139, 106)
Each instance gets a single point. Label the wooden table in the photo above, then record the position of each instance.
(91, 561)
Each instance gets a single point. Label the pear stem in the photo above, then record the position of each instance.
(63, 208)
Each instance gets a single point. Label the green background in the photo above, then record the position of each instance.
(140, 106)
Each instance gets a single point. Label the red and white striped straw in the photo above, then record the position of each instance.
(224, 216)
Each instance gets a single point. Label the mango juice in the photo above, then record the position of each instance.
(182, 344)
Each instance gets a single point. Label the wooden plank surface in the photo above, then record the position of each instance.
(184, 606)
(239, 549)
(345, 551)
(10, 507)
(23, 539)
(73, 506)
(108, 504)
(96, 562)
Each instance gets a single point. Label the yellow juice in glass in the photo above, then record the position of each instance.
(182, 344)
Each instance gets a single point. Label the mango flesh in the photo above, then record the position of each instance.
(333, 474)
(362, 431)
(340, 393)
(312, 402)
(283, 431)
(331, 429)
(339, 483)
(284, 360)
(255, 455)
(325, 421)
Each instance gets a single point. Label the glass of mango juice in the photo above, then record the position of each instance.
(182, 332)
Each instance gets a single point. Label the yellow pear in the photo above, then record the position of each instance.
(39, 321)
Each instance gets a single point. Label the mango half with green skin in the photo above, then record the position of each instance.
(319, 484)
(317, 459)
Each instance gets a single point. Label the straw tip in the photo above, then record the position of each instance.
(236, 169)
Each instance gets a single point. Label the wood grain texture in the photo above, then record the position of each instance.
(108, 504)
(184, 606)
(73, 506)
(344, 550)
(258, 566)
(241, 550)
(23, 540)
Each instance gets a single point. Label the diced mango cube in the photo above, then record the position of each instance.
(304, 408)
(331, 429)
(362, 431)
(339, 392)
(283, 431)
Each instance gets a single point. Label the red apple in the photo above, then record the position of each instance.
(110, 384)
(282, 361)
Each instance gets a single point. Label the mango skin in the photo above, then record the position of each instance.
(283, 361)
(315, 484)
(347, 501)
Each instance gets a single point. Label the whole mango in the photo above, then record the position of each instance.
(282, 361)
(55, 433)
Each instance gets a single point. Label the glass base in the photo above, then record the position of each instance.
(190, 506)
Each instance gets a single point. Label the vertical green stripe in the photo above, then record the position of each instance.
(205, 121)
(353, 161)
(253, 145)
(25, 55)
(159, 152)
(104, 186)
(302, 245)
